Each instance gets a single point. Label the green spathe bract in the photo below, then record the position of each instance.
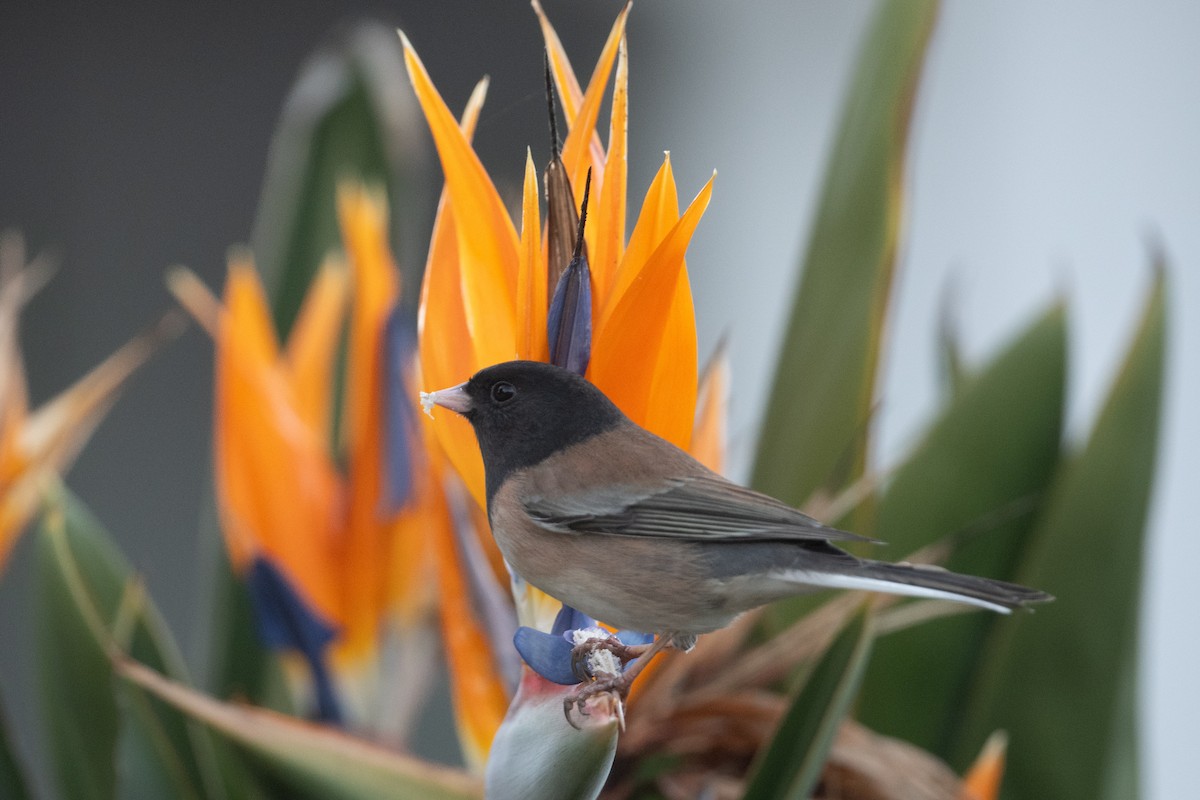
(537, 755)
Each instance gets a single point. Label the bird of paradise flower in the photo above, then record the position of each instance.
(38, 445)
(487, 295)
(333, 549)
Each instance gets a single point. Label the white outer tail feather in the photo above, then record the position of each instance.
(835, 580)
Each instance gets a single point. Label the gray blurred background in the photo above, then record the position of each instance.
(1050, 141)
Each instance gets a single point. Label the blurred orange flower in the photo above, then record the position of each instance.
(36, 446)
(304, 494)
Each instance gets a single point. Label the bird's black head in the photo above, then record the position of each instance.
(525, 411)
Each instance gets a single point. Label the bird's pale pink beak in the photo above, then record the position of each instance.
(455, 398)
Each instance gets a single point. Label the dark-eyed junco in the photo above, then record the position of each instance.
(626, 527)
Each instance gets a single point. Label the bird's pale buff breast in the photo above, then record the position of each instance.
(648, 585)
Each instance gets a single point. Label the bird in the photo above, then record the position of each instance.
(624, 526)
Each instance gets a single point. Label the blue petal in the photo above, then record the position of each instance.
(569, 322)
(399, 344)
(548, 654)
(569, 619)
(287, 622)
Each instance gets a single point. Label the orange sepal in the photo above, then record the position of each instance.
(637, 321)
(983, 779)
(569, 92)
(659, 212)
(443, 364)
(480, 699)
(577, 154)
(366, 538)
(671, 402)
(277, 488)
(247, 321)
(244, 359)
(35, 447)
(609, 236)
(447, 356)
(532, 299)
(18, 282)
(712, 412)
(487, 242)
(313, 343)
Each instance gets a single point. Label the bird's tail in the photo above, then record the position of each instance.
(920, 580)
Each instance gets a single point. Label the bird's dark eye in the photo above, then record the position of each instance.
(503, 391)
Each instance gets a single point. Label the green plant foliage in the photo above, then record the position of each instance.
(147, 759)
(343, 119)
(86, 605)
(951, 369)
(78, 708)
(791, 764)
(12, 778)
(1060, 681)
(814, 434)
(308, 760)
(980, 472)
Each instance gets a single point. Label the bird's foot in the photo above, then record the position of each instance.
(606, 677)
(599, 660)
(601, 654)
(603, 694)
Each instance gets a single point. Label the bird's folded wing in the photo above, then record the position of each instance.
(697, 507)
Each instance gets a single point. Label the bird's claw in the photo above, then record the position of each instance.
(582, 654)
(602, 663)
(616, 689)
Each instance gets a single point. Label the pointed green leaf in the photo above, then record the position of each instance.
(12, 778)
(86, 605)
(148, 763)
(1120, 779)
(343, 118)
(791, 764)
(157, 746)
(310, 760)
(952, 372)
(977, 476)
(78, 708)
(815, 429)
(1059, 681)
